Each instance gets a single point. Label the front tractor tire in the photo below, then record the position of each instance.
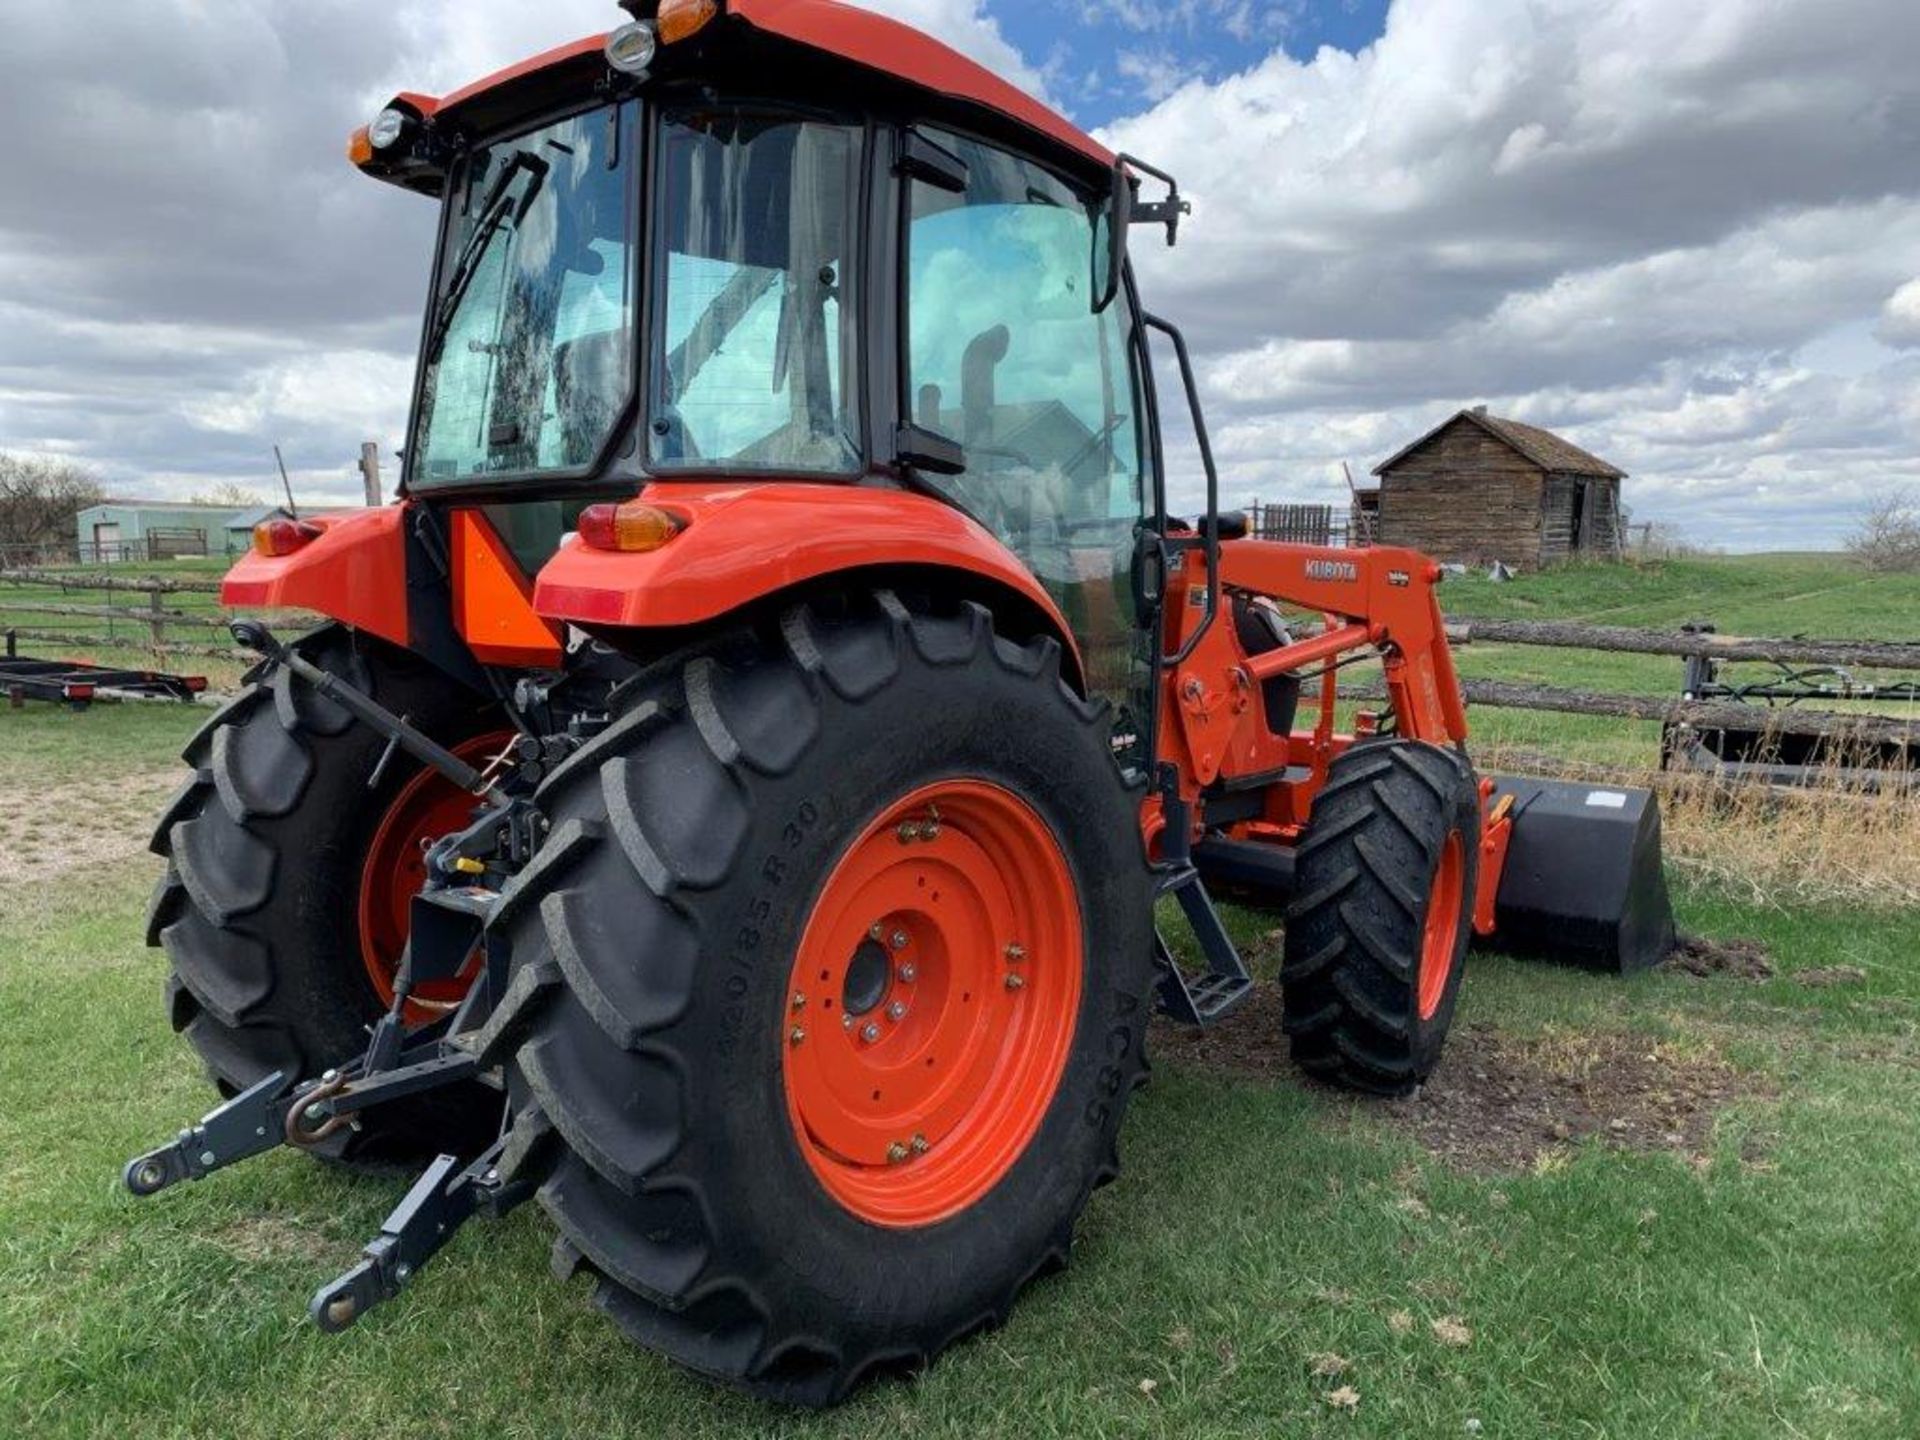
(831, 983)
(1377, 934)
(282, 908)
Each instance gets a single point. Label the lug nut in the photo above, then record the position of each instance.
(896, 1153)
(1016, 953)
(899, 940)
(799, 1000)
(1014, 982)
(909, 973)
(796, 1035)
(846, 1022)
(877, 931)
(898, 1010)
(870, 1032)
(919, 1143)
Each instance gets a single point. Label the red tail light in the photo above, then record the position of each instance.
(283, 537)
(632, 526)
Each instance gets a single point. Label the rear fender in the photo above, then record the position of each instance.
(354, 572)
(745, 544)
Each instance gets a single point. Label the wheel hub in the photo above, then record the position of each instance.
(945, 955)
(869, 977)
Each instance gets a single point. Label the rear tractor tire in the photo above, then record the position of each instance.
(830, 987)
(282, 909)
(1377, 935)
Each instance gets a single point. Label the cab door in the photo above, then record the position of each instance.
(1032, 395)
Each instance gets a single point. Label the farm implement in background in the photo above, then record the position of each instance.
(1750, 709)
(1772, 747)
(79, 684)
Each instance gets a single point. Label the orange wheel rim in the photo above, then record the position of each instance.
(427, 807)
(932, 1003)
(1442, 926)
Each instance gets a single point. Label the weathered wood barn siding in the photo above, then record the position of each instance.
(1463, 496)
(1476, 489)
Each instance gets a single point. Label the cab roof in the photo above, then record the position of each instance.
(858, 36)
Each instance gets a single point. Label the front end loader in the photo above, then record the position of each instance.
(737, 792)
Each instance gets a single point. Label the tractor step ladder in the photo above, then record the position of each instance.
(1209, 996)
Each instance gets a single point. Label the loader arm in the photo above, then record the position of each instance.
(1375, 602)
(1561, 865)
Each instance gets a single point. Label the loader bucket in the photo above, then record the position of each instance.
(1583, 882)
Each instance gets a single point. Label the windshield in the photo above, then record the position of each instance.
(755, 352)
(529, 354)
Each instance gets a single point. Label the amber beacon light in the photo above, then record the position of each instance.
(678, 19)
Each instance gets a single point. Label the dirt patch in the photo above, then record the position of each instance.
(1821, 976)
(51, 827)
(1247, 1042)
(1741, 959)
(1502, 1103)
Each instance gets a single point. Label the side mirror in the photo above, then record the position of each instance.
(1124, 211)
(1110, 240)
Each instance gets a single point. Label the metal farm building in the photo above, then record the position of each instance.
(1482, 488)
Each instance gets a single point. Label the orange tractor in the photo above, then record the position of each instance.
(736, 794)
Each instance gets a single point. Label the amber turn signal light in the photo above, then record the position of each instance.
(677, 19)
(360, 146)
(631, 526)
(283, 537)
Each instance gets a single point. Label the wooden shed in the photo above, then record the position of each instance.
(1481, 488)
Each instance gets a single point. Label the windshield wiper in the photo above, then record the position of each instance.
(493, 210)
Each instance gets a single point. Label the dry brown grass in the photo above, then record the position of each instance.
(1835, 840)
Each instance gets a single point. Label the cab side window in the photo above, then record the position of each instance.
(1007, 359)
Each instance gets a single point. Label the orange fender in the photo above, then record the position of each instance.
(355, 572)
(742, 543)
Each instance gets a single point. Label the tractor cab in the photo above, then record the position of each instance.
(658, 269)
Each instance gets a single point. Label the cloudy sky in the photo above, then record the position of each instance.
(1687, 235)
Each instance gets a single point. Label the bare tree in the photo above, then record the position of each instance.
(229, 492)
(39, 498)
(1659, 540)
(1888, 535)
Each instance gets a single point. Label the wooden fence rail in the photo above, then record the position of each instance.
(1895, 655)
(1836, 725)
(71, 641)
(156, 625)
(146, 615)
(101, 580)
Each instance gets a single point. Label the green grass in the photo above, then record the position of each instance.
(1773, 1289)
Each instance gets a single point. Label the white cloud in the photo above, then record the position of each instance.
(1686, 234)
(190, 271)
(1900, 317)
(1624, 217)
